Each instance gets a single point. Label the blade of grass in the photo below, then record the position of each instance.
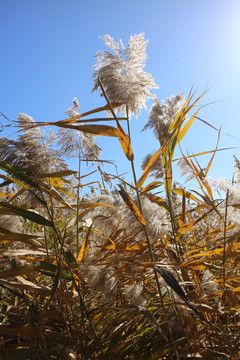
(26, 214)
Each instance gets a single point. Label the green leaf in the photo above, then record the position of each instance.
(26, 214)
(17, 173)
(51, 270)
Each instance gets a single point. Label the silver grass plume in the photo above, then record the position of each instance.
(210, 286)
(11, 223)
(112, 220)
(224, 186)
(101, 281)
(133, 294)
(31, 152)
(108, 218)
(122, 75)
(160, 117)
(236, 170)
(76, 143)
(189, 171)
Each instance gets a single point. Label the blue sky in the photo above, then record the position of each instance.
(47, 50)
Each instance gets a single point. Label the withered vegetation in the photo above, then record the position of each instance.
(105, 268)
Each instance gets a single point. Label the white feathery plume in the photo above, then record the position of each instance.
(31, 152)
(122, 75)
(160, 117)
(75, 142)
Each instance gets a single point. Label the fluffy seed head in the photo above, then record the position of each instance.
(160, 117)
(122, 75)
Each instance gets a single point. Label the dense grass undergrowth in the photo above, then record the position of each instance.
(143, 270)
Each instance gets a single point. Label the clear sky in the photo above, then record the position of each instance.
(47, 50)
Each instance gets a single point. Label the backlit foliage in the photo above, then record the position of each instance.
(106, 269)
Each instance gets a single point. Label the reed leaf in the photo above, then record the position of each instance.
(27, 214)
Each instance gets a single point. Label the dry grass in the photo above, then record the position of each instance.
(125, 273)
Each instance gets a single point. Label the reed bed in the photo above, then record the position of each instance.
(110, 269)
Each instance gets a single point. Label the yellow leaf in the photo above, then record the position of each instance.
(185, 193)
(236, 245)
(18, 182)
(175, 129)
(156, 200)
(185, 129)
(130, 204)
(124, 141)
(56, 182)
(75, 118)
(195, 266)
(150, 164)
(153, 185)
(186, 227)
(208, 187)
(5, 195)
(110, 247)
(83, 251)
(101, 130)
(237, 289)
(216, 251)
(66, 192)
(88, 205)
(94, 111)
(179, 115)
(205, 153)
(136, 246)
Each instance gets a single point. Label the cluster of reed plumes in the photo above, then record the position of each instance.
(143, 270)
